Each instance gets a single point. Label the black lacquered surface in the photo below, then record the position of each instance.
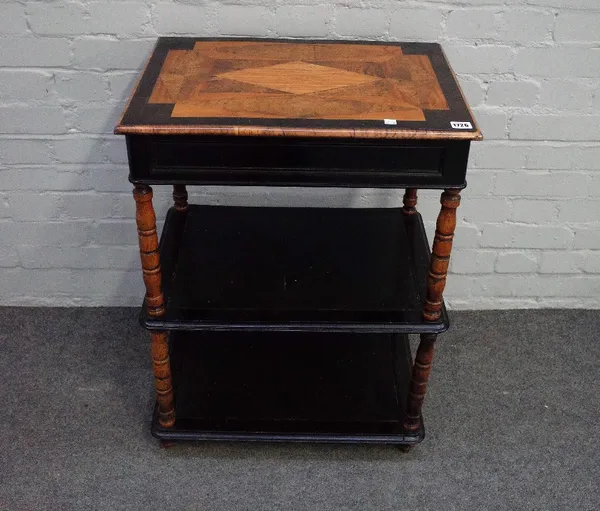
(273, 161)
(290, 387)
(318, 269)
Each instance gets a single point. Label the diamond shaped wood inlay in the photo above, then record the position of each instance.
(298, 77)
(257, 87)
(274, 80)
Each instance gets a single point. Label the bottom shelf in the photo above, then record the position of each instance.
(290, 387)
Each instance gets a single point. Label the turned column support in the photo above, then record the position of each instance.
(180, 197)
(150, 257)
(432, 310)
(410, 201)
(440, 254)
(161, 366)
(418, 382)
(148, 240)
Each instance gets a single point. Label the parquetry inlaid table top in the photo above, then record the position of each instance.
(291, 88)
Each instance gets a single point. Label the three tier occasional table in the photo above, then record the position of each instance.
(292, 324)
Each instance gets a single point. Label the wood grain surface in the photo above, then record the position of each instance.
(254, 87)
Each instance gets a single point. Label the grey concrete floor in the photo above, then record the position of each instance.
(512, 417)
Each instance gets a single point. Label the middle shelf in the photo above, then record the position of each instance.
(294, 269)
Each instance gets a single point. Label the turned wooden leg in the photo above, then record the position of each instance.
(410, 201)
(440, 256)
(418, 382)
(432, 310)
(162, 379)
(180, 196)
(148, 239)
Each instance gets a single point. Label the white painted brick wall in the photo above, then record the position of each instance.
(528, 231)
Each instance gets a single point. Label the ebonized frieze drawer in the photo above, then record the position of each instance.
(294, 162)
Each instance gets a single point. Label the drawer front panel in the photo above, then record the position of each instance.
(260, 161)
